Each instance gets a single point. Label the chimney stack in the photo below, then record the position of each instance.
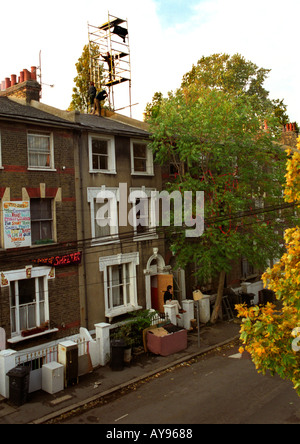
(26, 86)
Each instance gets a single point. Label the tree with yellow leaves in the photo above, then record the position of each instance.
(269, 334)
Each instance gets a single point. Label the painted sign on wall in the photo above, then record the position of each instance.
(60, 261)
(16, 223)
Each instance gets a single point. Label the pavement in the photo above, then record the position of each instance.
(103, 383)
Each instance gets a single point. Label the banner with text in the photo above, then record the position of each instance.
(16, 223)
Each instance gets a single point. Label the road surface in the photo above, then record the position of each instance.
(219, 388)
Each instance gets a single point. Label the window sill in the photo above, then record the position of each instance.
(102, 172)
(141, 173)
(122, 310)
(20, 338)
(41, 169)
(145, 237)
(43, 243)
(108, 241)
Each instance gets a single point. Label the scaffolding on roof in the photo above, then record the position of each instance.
(109, 56)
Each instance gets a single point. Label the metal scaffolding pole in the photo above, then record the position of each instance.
(109, 51)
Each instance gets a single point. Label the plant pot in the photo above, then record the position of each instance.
(33, 331)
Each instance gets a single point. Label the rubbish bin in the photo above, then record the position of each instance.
(19, 384)
(204, 306)
(117, 354)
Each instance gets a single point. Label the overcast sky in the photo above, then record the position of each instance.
(166, 38)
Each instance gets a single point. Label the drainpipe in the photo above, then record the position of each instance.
(83, 234)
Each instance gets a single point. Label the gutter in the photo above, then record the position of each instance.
(38, 121)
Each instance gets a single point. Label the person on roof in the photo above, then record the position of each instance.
(92, 94)
(99, 97)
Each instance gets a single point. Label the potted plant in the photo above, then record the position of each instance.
(35, 330)
(140, 321)
(125, 332)
(131, 332)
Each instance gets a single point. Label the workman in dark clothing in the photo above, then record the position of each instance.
(92, 94)
(110, 60)
(99, 97)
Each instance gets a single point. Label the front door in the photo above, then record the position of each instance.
(163, 280)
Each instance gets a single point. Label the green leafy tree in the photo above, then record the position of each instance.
(80, 97)
(228, 73)
(234, 75)
(269, 334)
(152, 109)
(218, 137)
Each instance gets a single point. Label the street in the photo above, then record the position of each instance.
(218, 388)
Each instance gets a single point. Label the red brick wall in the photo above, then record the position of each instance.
(64, 289)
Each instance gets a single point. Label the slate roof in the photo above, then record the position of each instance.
(10, 109)
(110, 126)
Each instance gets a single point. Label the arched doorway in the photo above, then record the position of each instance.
(157, 278)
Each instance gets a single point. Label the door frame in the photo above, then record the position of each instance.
(151, 270)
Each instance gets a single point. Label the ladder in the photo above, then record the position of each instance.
(227, 307)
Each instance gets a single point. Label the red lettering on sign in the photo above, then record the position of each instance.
(59, 261)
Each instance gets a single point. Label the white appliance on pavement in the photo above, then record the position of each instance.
(53, 377)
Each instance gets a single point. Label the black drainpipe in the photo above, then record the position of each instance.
(80, 148)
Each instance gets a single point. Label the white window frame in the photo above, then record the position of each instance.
(18, 275)
(149, 162)
(111, 154)
(134, 195)
(92, 195)
(131, 302)
(51, 154)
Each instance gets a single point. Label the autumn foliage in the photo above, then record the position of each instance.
(271, 334)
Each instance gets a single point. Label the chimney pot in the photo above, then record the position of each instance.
(33, 73)
(13, 79)
(22, 76)
(27, 75)
(7, 82)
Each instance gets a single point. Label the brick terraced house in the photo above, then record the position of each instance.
(39, 290)
(59, 268)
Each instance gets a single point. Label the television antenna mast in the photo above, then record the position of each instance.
(40, 74)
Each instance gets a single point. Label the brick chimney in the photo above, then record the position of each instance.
(290, 134)
(25, 87)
